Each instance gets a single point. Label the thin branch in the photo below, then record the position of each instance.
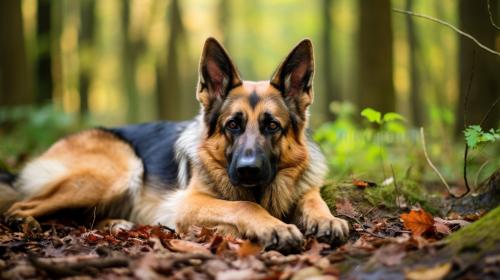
(422, 137)
(491, 16)
(485, 117)
(466, 102)
(467, 35)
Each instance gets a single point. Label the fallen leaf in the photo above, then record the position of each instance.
(344, 207)
(459, 222)
(433, 273)
(185, 246)
(390, 255)
(248, 248)
(440, 227)
(362, 183)
(417, 221)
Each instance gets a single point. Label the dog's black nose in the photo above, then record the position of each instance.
(249, 168)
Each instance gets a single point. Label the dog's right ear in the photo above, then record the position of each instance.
(217, 73)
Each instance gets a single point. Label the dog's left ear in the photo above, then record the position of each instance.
(294, 77)
(217, 73)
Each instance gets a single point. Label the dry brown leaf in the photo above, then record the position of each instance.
(433, 273)
(440, 227)
(248, 248)
(362, 183)
(417, 221)
(390, 255)
(344, 207)
(185, 246)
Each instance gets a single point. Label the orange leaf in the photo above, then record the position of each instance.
(248, 248)
(418, 221)
(362, 183)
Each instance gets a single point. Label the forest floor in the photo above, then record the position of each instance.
(406, 242)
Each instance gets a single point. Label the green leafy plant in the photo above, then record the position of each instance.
(357, 149)
(474, 135)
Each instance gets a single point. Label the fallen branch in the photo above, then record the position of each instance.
(467, 35)
(78, 268)
(422, 137)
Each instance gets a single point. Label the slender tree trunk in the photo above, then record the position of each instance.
(15, 79)
(43, 62)
(168, 75)
(224, 22)
(87, 26)
(486, 84)
(130, 54)
(375, 85)
(416, 105)
(330, 85)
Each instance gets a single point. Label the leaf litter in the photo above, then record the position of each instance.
(378, 242)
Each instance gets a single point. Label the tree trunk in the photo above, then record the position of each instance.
(374, 81)
(15, 79)
(330, 85)
(168, 75)
(43, 60)
(224, 22)
(416, 105)
(87, 26)
(486, 84)
(130, 54)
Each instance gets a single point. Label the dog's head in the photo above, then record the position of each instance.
(254, 130)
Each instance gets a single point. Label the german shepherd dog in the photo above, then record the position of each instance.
(244, 166)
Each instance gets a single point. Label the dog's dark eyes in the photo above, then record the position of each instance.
(233, 126)
(272, 126)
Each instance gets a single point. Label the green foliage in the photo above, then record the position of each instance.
(354, 149)
(372, 115)
(474, 135)
(27, 130)
(375, 116)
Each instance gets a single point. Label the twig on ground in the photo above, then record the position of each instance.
(93, 219)
(422, 137)
(491, 16)
(78, 268)
(395, 187)
(467, 35)
(363, 228)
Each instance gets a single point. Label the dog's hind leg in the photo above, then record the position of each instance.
(95, 169)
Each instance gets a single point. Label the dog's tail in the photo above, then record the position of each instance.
(8, 195)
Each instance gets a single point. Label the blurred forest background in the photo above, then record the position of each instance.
(66, 65)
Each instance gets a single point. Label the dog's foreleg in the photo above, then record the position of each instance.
(315, 219)
(249, 219)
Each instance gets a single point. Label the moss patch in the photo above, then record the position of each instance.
(481, 236)
(382, 196)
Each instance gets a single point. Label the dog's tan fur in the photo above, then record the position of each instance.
(96, 169)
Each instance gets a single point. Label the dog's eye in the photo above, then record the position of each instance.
(233, 126)
(272, 126)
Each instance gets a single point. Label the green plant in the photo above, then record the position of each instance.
(27, 130)
(474, 135)
(356, 149)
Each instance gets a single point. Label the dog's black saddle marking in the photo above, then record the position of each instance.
(154, 144)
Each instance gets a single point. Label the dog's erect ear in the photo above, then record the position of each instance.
(294, 77)
(217, 74)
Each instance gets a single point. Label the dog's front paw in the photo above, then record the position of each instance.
(326, 228)
(26, 224)
(278, 236)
